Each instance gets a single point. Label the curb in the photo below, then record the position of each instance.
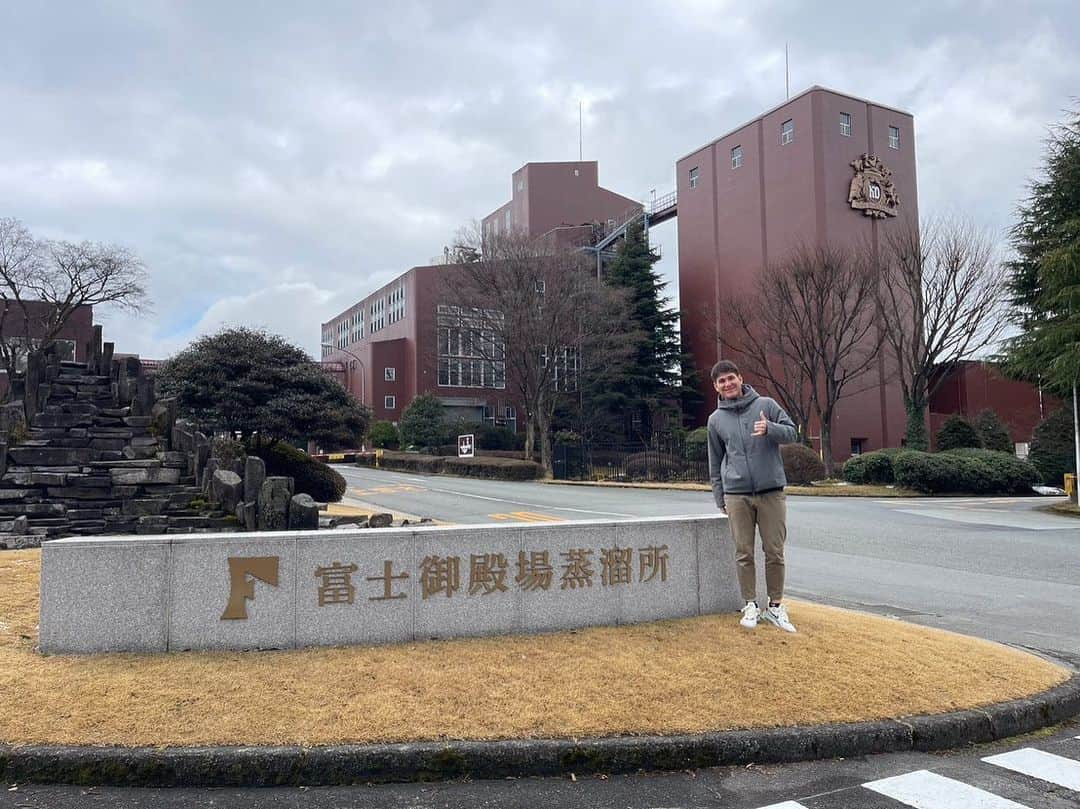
(352, 764)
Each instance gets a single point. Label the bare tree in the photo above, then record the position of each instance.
(808, 328)
(43, 283)
(941, 301)
(533, 316)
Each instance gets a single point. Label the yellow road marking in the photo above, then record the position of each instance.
(526, 516)
(398, 489)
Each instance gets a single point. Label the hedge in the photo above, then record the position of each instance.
(801, 464)
(484, 467)
(653, 466)
(310, 476)
(969, 471)
(871, 468)
(494, 468)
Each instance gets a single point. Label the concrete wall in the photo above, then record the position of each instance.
(156, 594)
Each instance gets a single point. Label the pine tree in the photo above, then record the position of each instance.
(992, 433)
(651, 384)
(1054, 199)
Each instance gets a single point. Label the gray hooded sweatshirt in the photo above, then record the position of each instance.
(739, 461)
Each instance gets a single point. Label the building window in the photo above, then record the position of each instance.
(389, 402)
(694, 174)
(470, 351)
(507, 221)
(894, 137)
(857, 446)
(845, 124)
(787, 132)
(736, 157)
(577, 172)
(389, 374)
(520, 184)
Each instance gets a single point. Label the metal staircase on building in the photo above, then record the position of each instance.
(659, 210)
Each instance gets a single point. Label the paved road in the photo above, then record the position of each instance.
(994, 568)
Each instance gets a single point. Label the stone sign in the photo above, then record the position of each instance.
(872, 190)
(251, 591)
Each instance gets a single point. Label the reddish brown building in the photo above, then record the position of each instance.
(402, 340)
(72, 341)
(558, 200)
(780, 182)
(974, 386)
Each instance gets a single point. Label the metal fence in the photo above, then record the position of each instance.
(663, 460)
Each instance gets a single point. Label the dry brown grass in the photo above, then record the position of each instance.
(671, 677)
(850, 490)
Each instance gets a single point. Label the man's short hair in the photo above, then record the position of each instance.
(724, 367)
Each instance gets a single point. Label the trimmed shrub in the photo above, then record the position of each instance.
(404, 462)
(992, 433)
(311, 477)
(871, 468)
(1051, 449)
(956, 433)
(494, 468)
(1002, 472)
(384, 435)
(801, 464)
(653, 466)
(968, 470)
(421, 424)
(697, 444)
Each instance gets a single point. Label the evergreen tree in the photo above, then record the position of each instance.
(421, 423)
(1053, 201)
(956, 433)
(992, 433)
(1046, 276)
(1052, 447)
(650, 385)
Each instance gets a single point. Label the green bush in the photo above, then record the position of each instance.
(871, 468)
(422, 424)
(384, 435)
(494, 468)
(801, 464)
(653, 466)
(968, 470)
(992, 433)
(1052, 450)
(227, 450)
(404, 462)
(697, 444)
(956, 433)
(310, 476)
(1002, 472)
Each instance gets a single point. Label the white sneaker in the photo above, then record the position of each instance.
(777, 616)
(750, 615)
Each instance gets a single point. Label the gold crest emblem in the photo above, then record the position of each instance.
(872, 190)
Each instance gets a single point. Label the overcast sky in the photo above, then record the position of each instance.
(273, 163)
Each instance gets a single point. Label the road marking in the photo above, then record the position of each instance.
(1042, 765)
(784, 805)
(526, 516)
(926, 790)
(401, 488)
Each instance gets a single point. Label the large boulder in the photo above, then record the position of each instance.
(303, 513)
(227, 488)
(273, 503)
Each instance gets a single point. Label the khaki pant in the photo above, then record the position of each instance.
(767, 513)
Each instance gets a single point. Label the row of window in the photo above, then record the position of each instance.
(787, 135)
(470, 353)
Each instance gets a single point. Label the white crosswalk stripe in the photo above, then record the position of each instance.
(923, 789)
(1042, 765)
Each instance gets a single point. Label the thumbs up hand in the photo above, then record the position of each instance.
(761, 426)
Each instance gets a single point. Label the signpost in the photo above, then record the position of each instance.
(465, 446)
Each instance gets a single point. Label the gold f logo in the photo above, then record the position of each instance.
(243, 570)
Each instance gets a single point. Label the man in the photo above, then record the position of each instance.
(747, 474)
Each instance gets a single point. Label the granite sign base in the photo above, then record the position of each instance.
(286, 590)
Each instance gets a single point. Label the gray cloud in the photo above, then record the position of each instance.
(272, 164)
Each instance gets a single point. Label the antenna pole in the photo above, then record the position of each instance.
(579, 130)
(787, 79)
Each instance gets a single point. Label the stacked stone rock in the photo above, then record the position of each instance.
(91, 465)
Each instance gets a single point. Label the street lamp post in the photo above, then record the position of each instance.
(363, 370)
